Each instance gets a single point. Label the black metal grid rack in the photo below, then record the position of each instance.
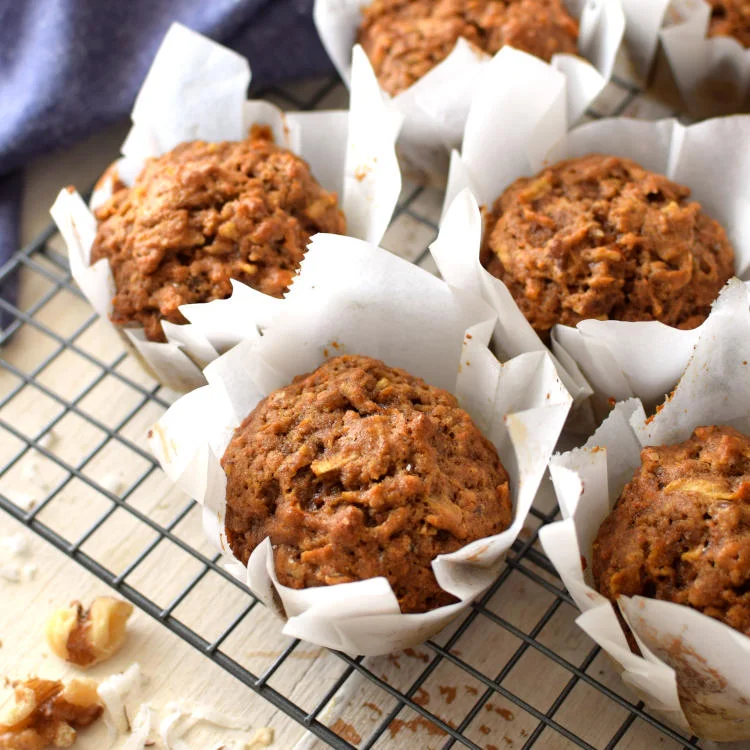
(542, 639)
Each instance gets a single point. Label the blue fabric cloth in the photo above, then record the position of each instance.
(70, 67)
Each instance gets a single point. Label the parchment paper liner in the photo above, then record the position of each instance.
(618, 359)
(711, 73)
(694, 668)
(196, 89)
(670, 39)
(435, 107)
(352, 297)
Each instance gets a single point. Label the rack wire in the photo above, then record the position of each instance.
(485, 659)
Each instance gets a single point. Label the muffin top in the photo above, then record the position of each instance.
(601, 237)
(360, 470)
(404, 39)
(205, 213)
(730, 18)
(680, 530)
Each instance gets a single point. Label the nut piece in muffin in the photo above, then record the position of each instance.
(600, 237)
(203, 214)
(359, 470)
(405, 39)
(680, 530)
(730, 18)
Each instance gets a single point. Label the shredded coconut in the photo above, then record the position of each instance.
(49, 440)
(10, 572)
(182, 717)
(15, 545)
(30, 471)
(22, 499)
(112, 483)
(120, 693)
(140, 728)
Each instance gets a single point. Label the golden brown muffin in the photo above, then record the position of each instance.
(405, 39)
(360, 470)
(680, 530)
(601, 237)
(730, 18)
(203, 214)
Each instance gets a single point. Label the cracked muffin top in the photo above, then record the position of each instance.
(359, 470)
(205, 213)
(600, 237)
(680, 530)
(405, 39)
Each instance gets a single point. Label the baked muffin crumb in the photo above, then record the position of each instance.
(206, 213)
(730, 18)
(600, 237)
(359, 470)
(680, 530)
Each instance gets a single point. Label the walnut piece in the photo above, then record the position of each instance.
(47, 713)
(87, 637)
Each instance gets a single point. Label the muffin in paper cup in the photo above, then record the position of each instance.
(196, 90)
(617, 359)
(351, 297)
(436, 106)
(643, 21)
(692, 669)
(670, 41)
(712, 73)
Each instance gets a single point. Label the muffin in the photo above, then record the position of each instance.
(205, 213)
(600, 237)
(730, 18)
(405, 39)
(680, 530)
(359, 470)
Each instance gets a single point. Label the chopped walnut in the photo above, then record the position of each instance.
(47, 713)
(87, 637)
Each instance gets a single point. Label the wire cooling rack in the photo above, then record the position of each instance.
(514, 673)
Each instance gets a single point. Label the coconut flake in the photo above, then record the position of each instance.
(119, 693)
(16, 545)
(112, 483)
(23, 500)
(182, 717)
(140, 728)
(28, 572)
(31, 472)
(49, 440)
(10, 572)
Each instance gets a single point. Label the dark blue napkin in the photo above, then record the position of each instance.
(70, 67)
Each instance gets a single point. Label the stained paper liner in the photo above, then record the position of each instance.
(352, 297)
(436, 106)
(196, 89)
(694, 668)
(509, 135)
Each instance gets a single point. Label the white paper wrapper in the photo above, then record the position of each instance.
(711, 73)
(618, 359)
(196, 89)
(694, 669)
(352, 297)
(643, 21)
(436, 106)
